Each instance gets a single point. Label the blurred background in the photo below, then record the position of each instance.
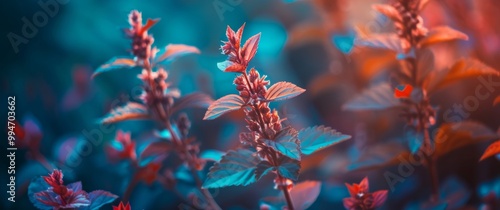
(309, 43)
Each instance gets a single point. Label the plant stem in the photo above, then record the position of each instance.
(287, 196)
(130, 187)
(431, 163)
(210, 200)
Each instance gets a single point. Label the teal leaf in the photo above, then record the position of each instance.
(415, 140)
(236, 168)
(315, 138)
(288, 168)
(285, 143)
(376, 98)
(99, 198)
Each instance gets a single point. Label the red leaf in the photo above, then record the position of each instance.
(442, 34)
(122, 206)
(149, 23)
(305, 193)
(379, 198)
(388, 11)
(225, 104)
(128, 112)
(175, 50)
(239, 33)
(282, 91)
(114, 64)
(156, 148)
(228, 66)
(381, 41)
(250, 48)
(194, 100)
(493, 149)
(403, 92)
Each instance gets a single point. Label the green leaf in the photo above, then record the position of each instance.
(441, 34)
(286, 144)
(225, 104)
(375, 98)
(463, 68)
(130, 111)
(283, 91)
(315, 138)
(234, 169)
(114, 64)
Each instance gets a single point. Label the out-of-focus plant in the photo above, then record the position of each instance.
(49, 192)
(159, 102)
(416, 79)
(122, 206)
(269, 146)
(362, 198)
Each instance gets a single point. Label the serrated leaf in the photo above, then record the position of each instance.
(225, 104)
(282, 91)
(114, 64)
(286, 144)
(375, 98)
(452, 136)
(388, 11)
(250, 48)
(441, 34)
(263, 168)
(464, 68)
(492, 150)
(99, 198)
(37, 185)
(315, 138)
(234, 169)
(381, 41)
(173, 51)
(193, 100)
(156, 148)
(304, 194)
(130, 111)
(288, 168)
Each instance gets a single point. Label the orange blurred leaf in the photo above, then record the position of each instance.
(442, 34)
(493, 149)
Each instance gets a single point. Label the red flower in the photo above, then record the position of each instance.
(121, 206)
(362, 199)
(122, 147)
(403, 91)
